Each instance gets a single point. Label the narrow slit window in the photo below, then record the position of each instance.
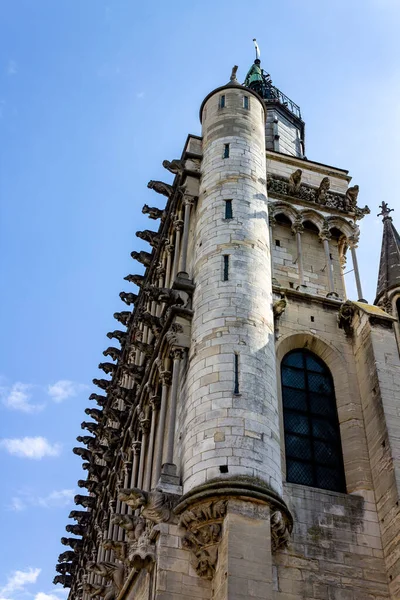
(246, 102)
(228, 209)
(226, 151)
(236, 388)
(278, 243)
(222, 101)
(226, 267)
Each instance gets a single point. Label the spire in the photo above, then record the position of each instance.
(389, 266)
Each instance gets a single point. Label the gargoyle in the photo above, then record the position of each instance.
(175, 166)
(160, 187)
(110, 572)
(133, 370)
(118, 335)
(147, 349)
(65, 580)
(170, 297)
(116, 415)
(345, 317)
(101, 400)
(95, 413)
(86, 501)
(92, 486)
(76, 529)
(92, 427)
(129, 298)
(104, 384)
(134, 526)
(107, 367)
(153, 212)
(66, 568)
(83, 453)
(350, 199)
(119, 549)
(323, 191)
(82, 517)
(295, 182)
(142, 256)
(68, 555)
(136, 279)
(98, 471)
(151, 321)
(152, 237)
(123, 316)
(73, 542)
(156, 506)
(89, 441)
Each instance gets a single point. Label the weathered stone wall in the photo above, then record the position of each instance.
(285, 261)
(238, 432)
(289, 136)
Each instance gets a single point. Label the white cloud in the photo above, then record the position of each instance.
(11, 67)
(18, 580)
(18, 398)
(43, 596)
(63, 389)
(17, 505)
(55, 499)
(30, 447)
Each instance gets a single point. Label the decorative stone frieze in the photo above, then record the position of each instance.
(292, 187)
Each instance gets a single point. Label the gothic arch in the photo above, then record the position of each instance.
(355, 454)
(313, 216)
(277, 208)
(342, 225)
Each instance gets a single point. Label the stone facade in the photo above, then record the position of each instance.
(189, 492)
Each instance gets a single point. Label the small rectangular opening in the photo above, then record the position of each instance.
(223, 469)
(228, 209)
(236, 388)
(312, 319)
(291, 284)
(226, 267)
(226, 151)
(277, 243)
(246, 102)
(222, 101)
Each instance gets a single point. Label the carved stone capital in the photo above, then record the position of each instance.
(169, 248)
(177, 353)
(144, 423)
(178, 224)
(353, 240)
(165, 377)
(298, 226)
(325, 234)
(203, 525)
(136, 445)
(189, 200)
(155, 402)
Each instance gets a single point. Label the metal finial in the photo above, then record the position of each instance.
(257, 49)
(385, 211)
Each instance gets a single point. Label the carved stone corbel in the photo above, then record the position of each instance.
(280, 534)
(155, 506)
(203, 525)
(345, 317)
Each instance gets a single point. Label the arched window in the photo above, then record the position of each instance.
(312, 436)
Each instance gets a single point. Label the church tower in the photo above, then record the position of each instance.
(246, 444)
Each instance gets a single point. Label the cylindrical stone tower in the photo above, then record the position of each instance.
(231, 423)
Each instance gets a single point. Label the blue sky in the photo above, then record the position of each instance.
(93, 96)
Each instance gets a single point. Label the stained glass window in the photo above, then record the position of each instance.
(312, 437)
